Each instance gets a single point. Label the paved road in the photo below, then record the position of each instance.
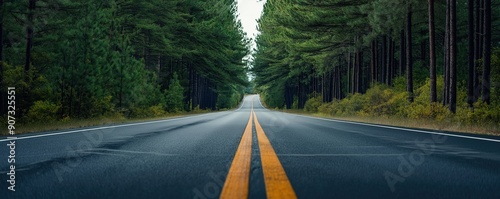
(252, 152)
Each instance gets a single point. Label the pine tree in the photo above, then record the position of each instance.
(432, 54)
(174, 95)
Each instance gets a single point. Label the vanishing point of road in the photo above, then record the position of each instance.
(252, 152)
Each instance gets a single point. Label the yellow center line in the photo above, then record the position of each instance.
(275, 179)
(236, 185)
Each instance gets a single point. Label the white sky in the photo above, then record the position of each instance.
(249, 11)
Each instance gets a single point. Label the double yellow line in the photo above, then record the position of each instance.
(275, 179)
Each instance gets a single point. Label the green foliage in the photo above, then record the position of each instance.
(229, 97)
(14, 76)
(30, 86)
(102, 106)
(174, 97)
(273, 96)
(304, 44)
(43, 111)
(250, 89)
(98, 59)
(148, 112)
(381, 100)
(295, 104)
(313, 104)
(482, 114)
(157, 110)
(495, 75)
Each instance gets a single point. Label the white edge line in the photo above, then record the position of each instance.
(100, 128)
(239, 107)
(397, 128)
(106, 127)
(261, 103)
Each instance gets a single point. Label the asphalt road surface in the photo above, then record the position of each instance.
(251, 152)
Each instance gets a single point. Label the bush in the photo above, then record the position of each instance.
(102, 106)
(43, 111)
(482, 113)
(352, 104)
(152, 111)
(327, 108)
(157, 111)
(390, 107)
(174, 96)
(30, 86)
(399, 84)
(313, 104)
(376, 100)
(422, 108)
(381, 100)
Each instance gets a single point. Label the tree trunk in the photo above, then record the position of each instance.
(432, 54)
(302, 93)
(349, 79)
(409, 54)
(29, 34)
(446, 90)
(120, 96)
(390, 60)
(362, 81)
(359, 71)
(477, 48)
(470, 59)
(393, 60)
(331, 88)
(453, 55)
(339, 82)
(288, 96)
(383, 57)
(373, 62)
(402, 54)
(481, 28)
(487, 52)
(355, 72)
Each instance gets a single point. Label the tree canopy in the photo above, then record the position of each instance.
(91, 58)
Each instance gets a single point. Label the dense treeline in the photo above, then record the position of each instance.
(413, 58)
(81, 59)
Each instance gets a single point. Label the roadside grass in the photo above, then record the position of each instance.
(411, 123)
(24, 127)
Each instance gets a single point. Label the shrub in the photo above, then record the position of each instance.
(399, 83)
(327, 108)
(377, 97)
(102, 106)
(427, 111)
(313, 104)
(353, 104)
(482, 113)
(43, 111)
(174, 96)
(145, 112)
(381, 100)
(157, 111)
(392, 105)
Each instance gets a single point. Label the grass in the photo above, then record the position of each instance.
(392, 121)
(22, 128)
(411, 123)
